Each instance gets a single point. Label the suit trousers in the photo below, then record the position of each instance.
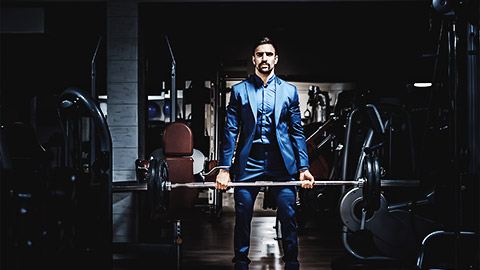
(284, 197)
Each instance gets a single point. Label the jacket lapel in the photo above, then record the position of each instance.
(251, 99)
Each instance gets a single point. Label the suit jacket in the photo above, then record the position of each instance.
(241, 120)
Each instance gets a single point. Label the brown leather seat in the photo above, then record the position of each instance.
(178, 149)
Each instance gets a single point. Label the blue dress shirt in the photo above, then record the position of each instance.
(265, 160)
(265, 96)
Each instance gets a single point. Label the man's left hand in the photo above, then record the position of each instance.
(305, 175)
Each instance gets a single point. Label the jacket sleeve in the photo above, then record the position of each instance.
(295, 131)
(232, 127)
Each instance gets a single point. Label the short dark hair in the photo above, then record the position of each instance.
(264, 40)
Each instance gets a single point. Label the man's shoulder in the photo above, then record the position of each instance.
(242, 84)
(286, 84)
(249, 80)
(283, 81)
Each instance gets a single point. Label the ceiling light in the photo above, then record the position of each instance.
(424, 84)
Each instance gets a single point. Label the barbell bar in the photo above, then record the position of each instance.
(263, 184)
(126, 186)
(159, 186)
(359, 183)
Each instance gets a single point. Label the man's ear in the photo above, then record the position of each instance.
(276, 59)
(253, 60)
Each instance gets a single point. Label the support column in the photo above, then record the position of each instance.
(122, 91)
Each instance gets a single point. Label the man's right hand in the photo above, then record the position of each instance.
(223, 178)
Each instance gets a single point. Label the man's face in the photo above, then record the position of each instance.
(265, 58)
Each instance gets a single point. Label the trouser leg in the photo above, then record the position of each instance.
(244, 204)
(285, 200)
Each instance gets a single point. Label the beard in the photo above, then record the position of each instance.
(264, 69)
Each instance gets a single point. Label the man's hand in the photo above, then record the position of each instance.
(223, 178)
(306, 175)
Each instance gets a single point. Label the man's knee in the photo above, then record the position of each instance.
(286, 209)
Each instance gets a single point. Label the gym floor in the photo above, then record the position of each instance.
(208, 244)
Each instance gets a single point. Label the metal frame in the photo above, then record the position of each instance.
(70, 99)
(433, 235)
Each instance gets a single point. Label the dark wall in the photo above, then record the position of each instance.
(35, 68)
(364, 42)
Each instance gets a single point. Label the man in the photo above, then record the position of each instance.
(264, 111)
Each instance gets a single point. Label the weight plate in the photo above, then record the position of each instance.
(198, 161)
(350, 209)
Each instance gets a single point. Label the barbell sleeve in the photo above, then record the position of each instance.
(399, 183)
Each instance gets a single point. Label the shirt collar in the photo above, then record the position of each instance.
(259, 82)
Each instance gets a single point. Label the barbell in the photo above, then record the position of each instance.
(361, 182)
(158, 184)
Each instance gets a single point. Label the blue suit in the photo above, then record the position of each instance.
(242, 118)
(285, 151)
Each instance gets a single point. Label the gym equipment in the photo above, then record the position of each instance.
(360, 183)
(198, 161)
(444, 6)
(198, 157)
(160, 186)
(320, 103)
(94, 185)
(373, 231)
(455, 246)
(35, 208)
(315, 142)
(394, 233)
(323, 149)
(172, 110)
(154, 111)
(78, 114)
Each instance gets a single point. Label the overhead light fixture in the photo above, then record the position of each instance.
(424, 84)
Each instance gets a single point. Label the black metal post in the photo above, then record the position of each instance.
(93, 94)
(173, 91)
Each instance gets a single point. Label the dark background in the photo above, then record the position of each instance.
(376, 45)
(380, 46)
(37, 67)
(368, 43)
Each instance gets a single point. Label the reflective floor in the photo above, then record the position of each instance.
(208, 244)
